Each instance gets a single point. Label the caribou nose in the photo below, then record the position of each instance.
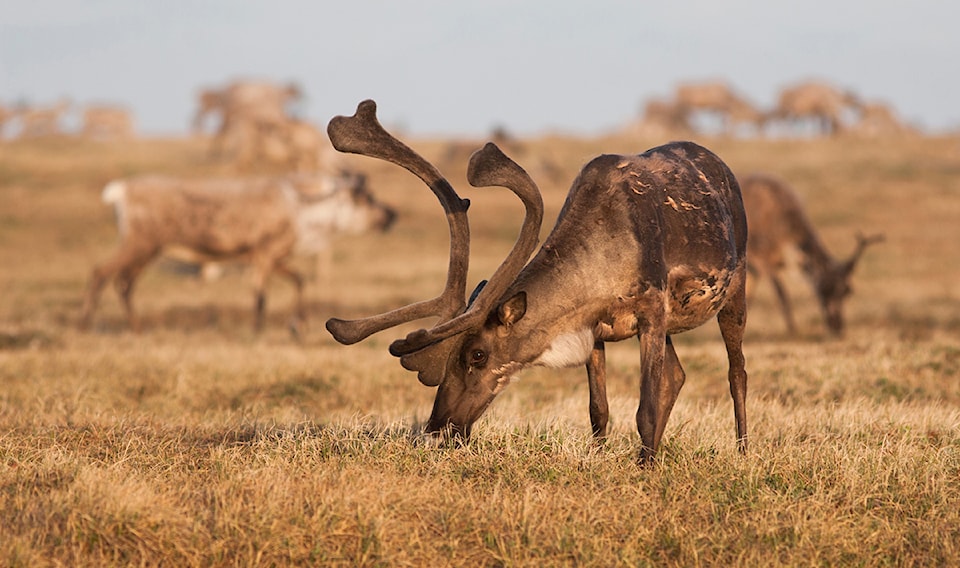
(835, 325)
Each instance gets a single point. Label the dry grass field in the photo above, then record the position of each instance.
(197, 443)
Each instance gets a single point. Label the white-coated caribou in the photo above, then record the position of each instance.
(645, 246)
(259, 220)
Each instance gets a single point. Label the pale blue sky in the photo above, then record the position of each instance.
(448, 67)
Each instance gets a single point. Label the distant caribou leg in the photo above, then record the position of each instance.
(784, 300)
(125, 282)
(123, 267)
(759, 273)
(298, 321)
(263, 267)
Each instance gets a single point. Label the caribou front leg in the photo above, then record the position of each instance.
(597, 379)
(662, 376)
(784, 300)
(650, 417)
(673, 375)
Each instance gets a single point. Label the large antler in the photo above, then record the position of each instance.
(363, 134)
(488, 167)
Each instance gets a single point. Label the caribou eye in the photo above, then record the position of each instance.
(478, 358)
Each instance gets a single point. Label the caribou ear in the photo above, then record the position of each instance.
(512, 311)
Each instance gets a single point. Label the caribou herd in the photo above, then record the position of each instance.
(810, 107)
(99, 121)
(646, 245)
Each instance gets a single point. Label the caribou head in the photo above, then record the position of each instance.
(832, 282)
(645, 246)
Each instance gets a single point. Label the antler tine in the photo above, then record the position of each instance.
(349, 332)
(862, 243)
(490, 167)
(363, 134)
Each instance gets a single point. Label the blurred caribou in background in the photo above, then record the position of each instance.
(103, 121)
(261, 221)
(778, 227)
(809, 107)
(257, 125)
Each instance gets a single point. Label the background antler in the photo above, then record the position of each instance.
(489, 167)
(363, 134)
(862, 243)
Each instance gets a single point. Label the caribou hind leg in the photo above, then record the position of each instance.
(122, 268)
(299, 318)
(733, 319)
(124, 283)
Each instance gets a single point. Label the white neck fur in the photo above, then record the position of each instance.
(567, 350)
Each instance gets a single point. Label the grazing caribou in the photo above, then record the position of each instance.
(42, 121)
(107, 122)
(720, 99)
(779, 224)
(259, 220)
(826, 105)
(647, 246)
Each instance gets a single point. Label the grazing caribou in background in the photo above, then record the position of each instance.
(42, 121)
(258, 220)
(720, 99)
(779, 224)
(826, 105)
(107, 122)
(647, 246)
(5, 115)
(255, 120)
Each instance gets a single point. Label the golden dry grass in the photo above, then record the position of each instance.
(198, 444)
